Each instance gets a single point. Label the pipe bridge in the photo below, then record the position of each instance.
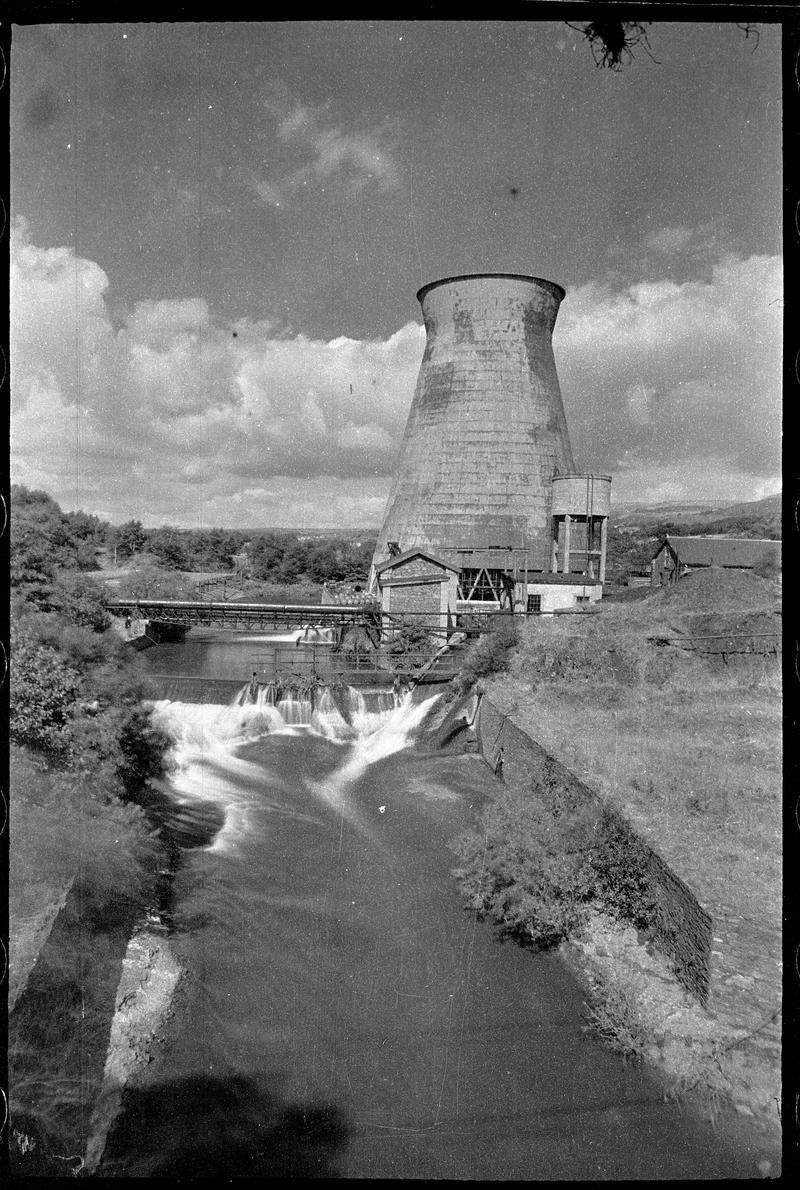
(194, 613)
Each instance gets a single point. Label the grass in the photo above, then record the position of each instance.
(690, 753)
(697, 772)
(688, 749)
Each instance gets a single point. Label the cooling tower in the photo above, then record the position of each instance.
(486, 431)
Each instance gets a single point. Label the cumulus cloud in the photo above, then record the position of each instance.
(177, 410)
(677, 376)
(698, 243)
(359, 157)
(174, 415)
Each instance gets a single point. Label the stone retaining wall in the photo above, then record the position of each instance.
(683, 929)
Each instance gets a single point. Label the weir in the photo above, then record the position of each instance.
(330, 955)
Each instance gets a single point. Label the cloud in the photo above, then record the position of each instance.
(697, 243)
(677, 375)
(356, 157)
(174, 415)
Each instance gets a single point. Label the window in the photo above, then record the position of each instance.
(583, 599)
(534, 603)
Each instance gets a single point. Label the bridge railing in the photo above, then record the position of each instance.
(320, 664)
(187, 612)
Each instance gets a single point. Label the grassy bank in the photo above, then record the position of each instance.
(687, 747)
(84, 860)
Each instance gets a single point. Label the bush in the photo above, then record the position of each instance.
(534, 869)
(622, 867)
(489, 654)
(43, 693)
(142, 748)
(71, 824)
(530, 871)
(409, 636)
(80, 600)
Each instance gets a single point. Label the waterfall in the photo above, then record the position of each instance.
(207, 737)
(392, 734)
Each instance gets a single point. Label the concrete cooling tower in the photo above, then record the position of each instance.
(486, 431)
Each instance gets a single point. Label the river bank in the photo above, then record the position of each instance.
(338, 1012)
(143, 1007)
(638, 1008)
(689, 754)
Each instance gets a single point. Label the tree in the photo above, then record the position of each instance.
(41, 541)
(168, 546)
(43, 692)
(266, 556)
(142, 747)
(81, 601)
(86, 527)
(130, 538)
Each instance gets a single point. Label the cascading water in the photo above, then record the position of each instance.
(207, 738)
(344, 1015)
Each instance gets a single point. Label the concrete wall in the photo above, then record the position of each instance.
(486, 430)
(562, 595)
(684, 930)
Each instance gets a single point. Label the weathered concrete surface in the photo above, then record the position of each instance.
(150, 974)
(33, 911)
(486, 430)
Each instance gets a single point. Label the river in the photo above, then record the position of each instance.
(343, 1013)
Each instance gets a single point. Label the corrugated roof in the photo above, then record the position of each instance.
(745, 552)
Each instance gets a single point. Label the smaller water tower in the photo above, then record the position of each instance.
(581, 505)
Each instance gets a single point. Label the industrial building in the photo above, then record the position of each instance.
(487, 511)
(679, 556)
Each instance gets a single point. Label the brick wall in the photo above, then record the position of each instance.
(684, 928)
(422, 598)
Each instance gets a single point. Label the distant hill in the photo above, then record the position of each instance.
(636, 530)
(312, 531)
(753, 518)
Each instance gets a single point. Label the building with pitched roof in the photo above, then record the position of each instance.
(677, 556)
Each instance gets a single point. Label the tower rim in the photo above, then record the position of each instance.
(492, 276)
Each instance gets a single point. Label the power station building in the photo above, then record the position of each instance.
(486, 511)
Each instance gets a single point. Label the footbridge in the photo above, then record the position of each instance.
(195, 613)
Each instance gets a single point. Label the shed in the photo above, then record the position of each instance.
(419, 584)
(677, 556)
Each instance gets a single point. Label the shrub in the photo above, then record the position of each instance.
(621, 864)
(43, 693)
(68, 824)
(81, 601)
(409, 636)
(142, 747)
(489, 654)
(613, 1014)
(527, 869)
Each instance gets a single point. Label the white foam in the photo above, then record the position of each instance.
(207, 737)
(392, 735)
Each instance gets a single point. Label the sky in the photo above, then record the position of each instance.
(218, 232)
